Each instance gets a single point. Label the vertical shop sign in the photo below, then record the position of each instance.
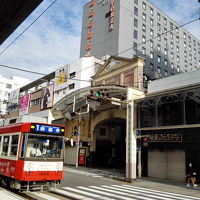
(90, 24)
(112, 15)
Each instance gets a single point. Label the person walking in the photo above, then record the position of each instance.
(191, 176)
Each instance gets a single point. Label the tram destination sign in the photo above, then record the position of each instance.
(169, 137)
(47, 129)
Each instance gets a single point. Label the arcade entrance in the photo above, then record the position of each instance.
(110, 144)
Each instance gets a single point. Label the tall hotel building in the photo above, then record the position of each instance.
(129, 28)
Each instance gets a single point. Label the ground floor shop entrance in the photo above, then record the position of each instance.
(169, 152)
(110, 144)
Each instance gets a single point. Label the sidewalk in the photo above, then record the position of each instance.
(146, 182)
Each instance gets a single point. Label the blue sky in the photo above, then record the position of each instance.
(54, 39)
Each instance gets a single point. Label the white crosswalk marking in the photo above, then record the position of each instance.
(87, 193)
(73, 195)
(175, 196)
(137, 193)
(104, 193)
(123, 192)
(113, 190)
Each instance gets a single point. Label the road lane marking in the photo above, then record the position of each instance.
(104, 193)
(73, 195)
(161, 192)
(86, 193)
(122, 193)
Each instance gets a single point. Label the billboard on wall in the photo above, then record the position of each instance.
(47, 97)
(61, 78)
(24, 104)
(14, 96)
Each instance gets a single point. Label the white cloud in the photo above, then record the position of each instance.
(52, 41)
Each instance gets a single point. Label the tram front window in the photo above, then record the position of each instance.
(44, 147)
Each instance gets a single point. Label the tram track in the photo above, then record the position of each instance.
(35, 195)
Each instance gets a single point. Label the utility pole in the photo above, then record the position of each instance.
(79, 132)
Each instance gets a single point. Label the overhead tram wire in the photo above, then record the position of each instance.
(37, 73)
(28, 27)
(15, 68)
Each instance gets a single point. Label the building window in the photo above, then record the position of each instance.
(151, 66)
(178, 59)
(143, 39)
(195, 60)
(159, 37)
(172, 55)
(171, 35)
(171, 26)
(159, 59)
(151, 55)
(185, 53)
(151, 11)
(135, 46)
(158, 16)
(72, 75)
(166, 73)
(190, 67)
(172, 65)
(190, 48)
(136, 11)
(172, 45)
(190, 57)
(143, 51)
(9, 86)
(185, 63)
(159, 70)
(165, 41)
(35, 102)
(194, 51)
(159, 48)
(71, 86)
(135, 22)
(178, 68)
(184, 35)
(177, 39)
(189, 38)
(129, 78)
(144, 16)
(136, 1)
(165, 21)
(151, 21)
(151, 43)
(151, 32)
(165, 52)
(165, 31)
(184, 45)
(177, 30)
(158, 26)
(194, 43)
(135, 34)
(143, 28)
(177, 49)
(165, 62)
(144, 6)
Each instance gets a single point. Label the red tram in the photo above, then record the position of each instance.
(31, 155)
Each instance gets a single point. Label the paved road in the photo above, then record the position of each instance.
(85, 184)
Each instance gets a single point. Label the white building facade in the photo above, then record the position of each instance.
(6, 86)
